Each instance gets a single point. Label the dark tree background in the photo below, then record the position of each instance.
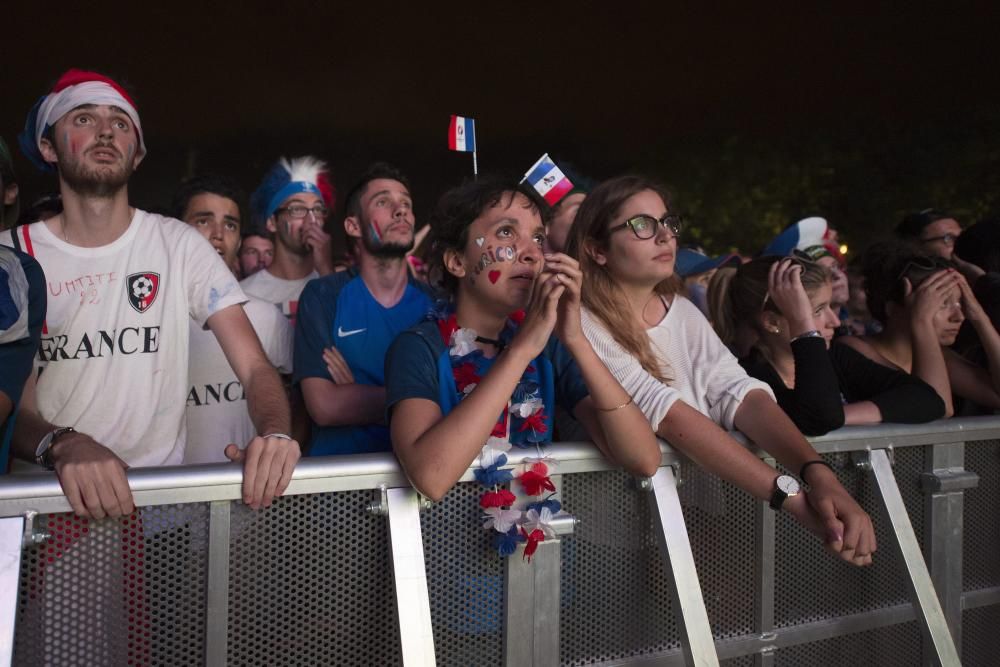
(753, 114)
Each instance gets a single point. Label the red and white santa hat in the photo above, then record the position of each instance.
(74, 88)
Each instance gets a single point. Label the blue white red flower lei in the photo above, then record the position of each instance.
(523, 425)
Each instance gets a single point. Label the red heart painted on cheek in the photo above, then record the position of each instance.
(494, 276)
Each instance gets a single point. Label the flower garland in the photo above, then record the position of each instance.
(522, 424)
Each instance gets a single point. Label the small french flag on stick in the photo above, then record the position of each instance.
(462, 134)
(548, 180)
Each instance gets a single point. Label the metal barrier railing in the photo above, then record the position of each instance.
(195, 577)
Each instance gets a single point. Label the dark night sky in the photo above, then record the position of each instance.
(609, 88)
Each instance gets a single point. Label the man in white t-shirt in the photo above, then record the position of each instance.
(217, 411)
(122, 284)
(293, 202)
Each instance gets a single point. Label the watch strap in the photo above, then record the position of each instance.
(778, 498)
(43, 453)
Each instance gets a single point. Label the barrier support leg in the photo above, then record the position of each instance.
(944, 484)
(11, 534)
(217, 619)
(925, 599)
(692, 619)
(413, 606)
(531, 623)
(764, 577)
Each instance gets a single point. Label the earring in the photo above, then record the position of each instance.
(775, 330)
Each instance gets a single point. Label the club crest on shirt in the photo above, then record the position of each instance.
(142, 289)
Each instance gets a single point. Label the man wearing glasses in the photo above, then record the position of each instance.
(293, 202)
(348, 320)
(933, 231)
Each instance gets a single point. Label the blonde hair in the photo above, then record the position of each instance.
(740, 298)
(601, 294)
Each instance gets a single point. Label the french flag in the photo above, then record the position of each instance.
(548, 180)
(462, 134)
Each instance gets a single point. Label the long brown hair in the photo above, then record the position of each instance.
(601, 294)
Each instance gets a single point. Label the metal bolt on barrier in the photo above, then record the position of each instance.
(33, 536)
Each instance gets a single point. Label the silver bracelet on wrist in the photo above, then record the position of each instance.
(808, 334)
(283, 436)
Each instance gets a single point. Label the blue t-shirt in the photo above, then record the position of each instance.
(339, 311)
(22, 313)
(418, 366)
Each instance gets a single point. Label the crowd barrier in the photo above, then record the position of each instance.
(352, 567)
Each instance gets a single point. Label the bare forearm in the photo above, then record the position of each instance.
(862, 412)
(628, 438)
(761, 420)
(267, 402)
(29, 430)
(929, 366)
(715, 451)
(990, 340)
(331, 404)
(439, 457)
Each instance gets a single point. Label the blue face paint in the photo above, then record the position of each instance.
(376, 234)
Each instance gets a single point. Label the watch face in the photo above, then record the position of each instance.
(788, 484)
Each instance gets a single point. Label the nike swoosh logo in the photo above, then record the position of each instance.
(344, 334)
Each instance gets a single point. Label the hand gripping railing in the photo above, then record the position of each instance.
(533, 611)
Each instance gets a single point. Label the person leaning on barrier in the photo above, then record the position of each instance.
(922, 302)
(22, 313)
(488, 241)
(347, 320)
(217, 414)
(122, 285)
(788, 304)
(663, 351)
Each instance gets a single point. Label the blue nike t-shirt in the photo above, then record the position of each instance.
(339, 311)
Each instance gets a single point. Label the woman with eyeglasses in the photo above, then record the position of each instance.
(922, 302)
(786, 304)
(691, 388)
(488, 368)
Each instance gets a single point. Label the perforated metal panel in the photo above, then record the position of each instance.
(981, 636)
(908, 466)
(311, 584)
(981, 562)
(720, 524)
(615, 599)
(836, 588)
(115, 592)
(616, 596)
(465, 579)
(892, 646)
(176, 559)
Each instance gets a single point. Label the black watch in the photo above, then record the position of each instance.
(43, 453)
(785, 486)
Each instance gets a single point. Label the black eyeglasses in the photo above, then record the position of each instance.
(947, 239)
(645, 226)
(297, 211)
